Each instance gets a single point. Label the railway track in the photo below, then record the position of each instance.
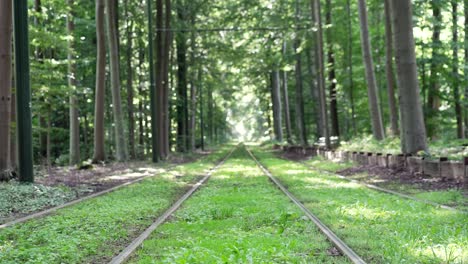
(49, 211)
(334, 239)
(127, 252)
(384, 190)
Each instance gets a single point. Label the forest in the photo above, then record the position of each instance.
(109, 99)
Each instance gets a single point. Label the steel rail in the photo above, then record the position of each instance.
(55, 208)
(332, 237)
(380, 189)
(127, 252)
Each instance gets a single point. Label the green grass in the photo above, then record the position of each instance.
(321, 163)
(382, 228)
(96, 229)
(19, 198)
(454, 198)
(238, 217)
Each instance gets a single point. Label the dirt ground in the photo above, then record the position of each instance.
(99, 177)
(382, 176)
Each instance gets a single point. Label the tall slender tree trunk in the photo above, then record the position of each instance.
(193, 90)
(13, 138)
(159, 79)
(389, 70)
(276, 100)
(350, 65)
(74, 116)
(312, 67)
(433, 99)
(202, 118)
(335, 127)
(465, 11)
(130, 93)
(99, 101)
(300, 120)
(6, 30)
(376, 116)
(456, 77)
(317, 20)
(413, 136)
(287, 113)
(181, 104)
(121, 147)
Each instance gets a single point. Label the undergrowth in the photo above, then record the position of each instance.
(96, 229)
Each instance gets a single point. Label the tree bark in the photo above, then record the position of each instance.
(193, 90)
(412, 120)
(99, 101)
(13, 138)
(335, 127)
(130, 93)
(287, 113)
(121, 148)
(465, 11)
(433, 99)
(181, 104)
(317, 20)
(312, 68)
(300, 121)
(276, 101)
(389, 70)
(6, 30)
(350, 66)
(456, 77)
(376, 116)
(74, 116)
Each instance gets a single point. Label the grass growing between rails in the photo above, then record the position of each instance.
(381, 228)
(457, 198)
(238, 217)
(95, 230)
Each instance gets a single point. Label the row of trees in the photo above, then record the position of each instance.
(400, 48)
(196, 72)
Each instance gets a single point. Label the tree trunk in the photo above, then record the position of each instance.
(121, 148)
(317, 20)
(5, 84)
(181, 103)
(276, 101)
(465, 10)
(389, 70)
(335, 128)
(193, 91)
(130, 108)
(350, 65)
(99, 149)
(412, 120)
(287, 113)
(202, 122)
(300, 121)
(312, 68)
(376, 117)
(455, 84)
(13, 138)
(433, 99)
(74, 116)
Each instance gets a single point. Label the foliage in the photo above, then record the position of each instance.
(25, 198)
